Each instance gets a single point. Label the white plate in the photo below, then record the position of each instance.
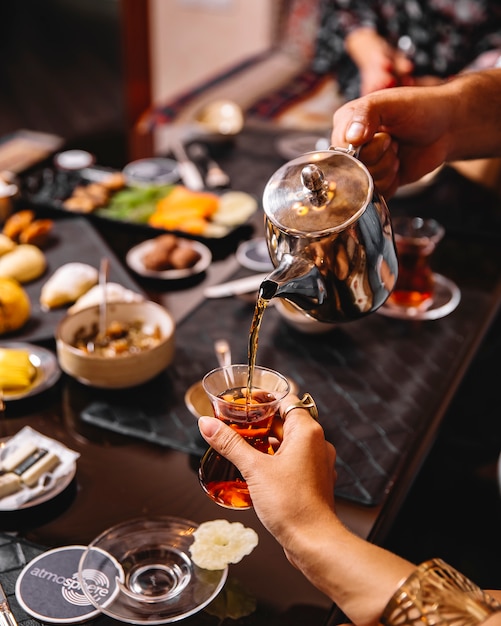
(45, 363)
(445, 299)
(254, 255)
(134, 260)
(51, 492)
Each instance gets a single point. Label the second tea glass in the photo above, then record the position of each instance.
(248, 411)
(416, 239)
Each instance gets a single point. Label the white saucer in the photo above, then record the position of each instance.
(445, 299)
(162, 584)
(134, 260)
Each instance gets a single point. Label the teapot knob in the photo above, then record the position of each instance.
(313, 180)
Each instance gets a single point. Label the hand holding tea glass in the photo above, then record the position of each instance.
(250, 412)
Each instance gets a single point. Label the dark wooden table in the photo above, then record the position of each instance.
(382, 386)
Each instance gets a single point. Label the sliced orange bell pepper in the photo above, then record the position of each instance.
(182, 206)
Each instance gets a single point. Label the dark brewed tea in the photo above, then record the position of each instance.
(416, 239)
(251, 416)
(259, 309)
(415, 282)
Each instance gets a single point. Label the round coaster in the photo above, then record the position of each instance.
(48, 587)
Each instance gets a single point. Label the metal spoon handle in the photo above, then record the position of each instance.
(223, 353)
(103, 302)
(190, 175)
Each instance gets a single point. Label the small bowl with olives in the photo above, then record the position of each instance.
(137, 344)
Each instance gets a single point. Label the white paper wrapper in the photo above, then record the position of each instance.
(49, 480)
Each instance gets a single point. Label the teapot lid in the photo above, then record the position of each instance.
(318, 192)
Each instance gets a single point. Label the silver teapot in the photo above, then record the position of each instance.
(329, 237)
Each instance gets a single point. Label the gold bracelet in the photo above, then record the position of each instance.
(437, 594)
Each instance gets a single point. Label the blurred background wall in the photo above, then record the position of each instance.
(64, 67)
(193, 39)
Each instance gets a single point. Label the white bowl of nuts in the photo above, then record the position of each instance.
(137, 345)
(168, 257)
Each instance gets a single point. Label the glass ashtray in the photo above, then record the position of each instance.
(157, 581)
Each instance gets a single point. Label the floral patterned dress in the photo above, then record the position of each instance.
(442, 37)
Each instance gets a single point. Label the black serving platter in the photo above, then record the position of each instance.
(44, 189)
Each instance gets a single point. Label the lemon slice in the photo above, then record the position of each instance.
(216, 231)
(235, 207)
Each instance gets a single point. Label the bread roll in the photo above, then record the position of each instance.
(6, 244)
(67, 284)
(24, 263)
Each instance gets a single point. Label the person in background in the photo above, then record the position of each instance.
(369, 584)
(407, 132)
(388, 43)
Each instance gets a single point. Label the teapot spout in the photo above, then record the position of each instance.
(296, 279)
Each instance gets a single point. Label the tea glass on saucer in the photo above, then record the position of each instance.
(416, 239)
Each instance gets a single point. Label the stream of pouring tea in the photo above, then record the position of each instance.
(261, 304)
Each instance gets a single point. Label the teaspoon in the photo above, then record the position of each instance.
(103, 306)
(223, 352)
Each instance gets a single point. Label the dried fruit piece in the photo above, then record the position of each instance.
(17, 222)
(219, 542)
(37, 233)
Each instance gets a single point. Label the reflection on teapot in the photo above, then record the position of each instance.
(329, 236)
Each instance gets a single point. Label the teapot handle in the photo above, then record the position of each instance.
(351, 150)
